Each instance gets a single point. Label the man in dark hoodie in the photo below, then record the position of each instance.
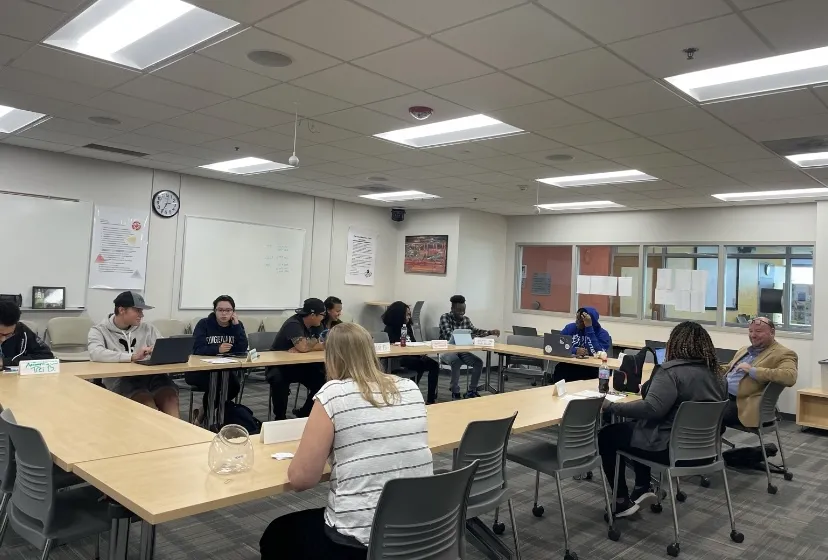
(17, 341)
(588, 338)
(219, 333)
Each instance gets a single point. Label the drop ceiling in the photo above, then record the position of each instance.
(584, 78)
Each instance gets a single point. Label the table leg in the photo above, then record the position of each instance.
(489, 387)
(147, 541)
(501, 372)
(224, 382)
(212, 389)
(119, 539)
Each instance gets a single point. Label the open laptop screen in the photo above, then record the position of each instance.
(660, 354)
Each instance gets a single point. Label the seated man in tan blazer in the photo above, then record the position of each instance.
(752, 368)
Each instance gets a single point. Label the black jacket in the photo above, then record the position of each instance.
(209, 335)
(24, 344)
(394, 333)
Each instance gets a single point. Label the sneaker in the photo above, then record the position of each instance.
(456, 396)
(625, 508)
(472, 395)
(299, 413)
(643, 496)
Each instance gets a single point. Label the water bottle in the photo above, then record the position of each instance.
(403, 335)
(603, 377)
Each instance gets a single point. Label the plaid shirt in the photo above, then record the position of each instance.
(448, 323)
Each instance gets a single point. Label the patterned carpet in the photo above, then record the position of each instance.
(792, 524)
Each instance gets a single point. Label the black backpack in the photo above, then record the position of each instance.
(243, 416)
(627, 378)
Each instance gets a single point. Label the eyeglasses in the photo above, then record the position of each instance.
(762, 321)
(224, 310)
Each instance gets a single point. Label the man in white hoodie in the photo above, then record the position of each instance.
(123, 337)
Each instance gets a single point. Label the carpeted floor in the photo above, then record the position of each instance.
(792, 524)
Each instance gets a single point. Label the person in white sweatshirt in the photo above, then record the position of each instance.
(124, 337)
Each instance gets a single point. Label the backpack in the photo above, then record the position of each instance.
(627, 378)
(243, 416)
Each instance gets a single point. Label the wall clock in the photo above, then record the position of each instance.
(166, 204)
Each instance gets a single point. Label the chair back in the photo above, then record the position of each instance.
(423, 517)
(485, 441)
(524, 331)
(65, 332)
(416, 320)
(34, 489)
(33, 326)
(7, 467)
(697, 434)
(578, 434)
(767, 406)
(432, 333)
(171, 327)
(251, 324)
(380, 336)
(724, 355)
(261, 341)
(273, 323)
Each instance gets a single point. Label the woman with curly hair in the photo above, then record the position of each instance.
(396, 315)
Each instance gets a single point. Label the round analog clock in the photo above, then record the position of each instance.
(166, 204)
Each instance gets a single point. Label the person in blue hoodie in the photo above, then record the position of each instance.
(588, 338)
(219, 333)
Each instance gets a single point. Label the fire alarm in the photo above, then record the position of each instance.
(420, 113)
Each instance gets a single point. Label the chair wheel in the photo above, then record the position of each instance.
(534, 383)
(788, 476)
(588, 475)
(576, 477)
(737, 537)
(537, 511)
(613, 534)
(772, 489)
(656, 508)
(681, 496)
(674, 549)
(705, 482)
(570, 556)
(505, 378)
(498, 528)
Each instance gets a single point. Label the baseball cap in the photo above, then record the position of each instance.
(131, 299)
(311, 305)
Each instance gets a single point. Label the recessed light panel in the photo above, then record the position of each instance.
(12, 120)
(138, 33)
(588, 205)
(400, 196)
(810, 160)
(756, 76)
(454, 131)
(629, 176)
(247, 166)
(773, 195)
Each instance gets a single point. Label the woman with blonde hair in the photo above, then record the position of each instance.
(372, 428)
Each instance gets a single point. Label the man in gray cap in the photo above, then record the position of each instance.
(124, 337)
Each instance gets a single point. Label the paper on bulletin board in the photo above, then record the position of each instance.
(360, 266)
(119, 248)
(625, 286)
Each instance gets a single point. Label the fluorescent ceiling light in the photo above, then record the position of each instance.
(773, 195)
(629, 176)
(465, 129)
(400, 196)
(756, 76)
(12, 120)
(138, 33)
(580, 205)
(810, 160)
(247, 166)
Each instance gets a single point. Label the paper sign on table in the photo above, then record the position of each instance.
(439, 344)
(625, 286)
(282, 456)
(697, 303)
(683, 280)
(280, 431)
(220, 360)
(560, 388)
(484, 342)
(584, 284)
(382, 347)
(664, 279)
(39, 367)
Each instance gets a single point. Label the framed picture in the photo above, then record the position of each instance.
(426, 254)
(45, 297)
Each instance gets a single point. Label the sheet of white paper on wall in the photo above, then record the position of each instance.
(597, 285)
(610, 286)
(697, 301)
(682, 280)
(698, 280)
(683, 300)
(665, 297)
(625, 286)
(584, 284)
(664, 279)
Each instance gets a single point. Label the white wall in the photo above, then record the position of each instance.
(482, 253)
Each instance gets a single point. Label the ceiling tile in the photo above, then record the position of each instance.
(648, 187)
(721, 41)
(491, 178)
(210, 125)
(566, 75)
(670, 120)
(28, 21)
(179, 159)
(625, 148)
(133, 106)
(431, 16)
(704, 138)
(235, 49)
(362, 120)
(155, 164)
(144, 143)
(336, 168)
(597, 166)
(610, 21)
(169, 93)
(796, 127)
(423, 64)
(373, 164)
(267, 138)
(504, 163)
(451, 182)
(729, 153)
(532, 173)
(175, 134)
(515, 37)
(417, 158)
(328, 153)
(72, 67)
(56, 137)
(230, 148)
(587, 133)
(98, 154)
(398, 107)
(352, 84)
(748, 4)
(769, 164)
(785, 177)
(456, 169)
(245, 11)
(651, 162)
(489, 93)
(40, 84)
(792, 26)
(315, 131)
(82, 114)
(577, 155)
(11, 48)
(643, 97)
(539, 116)
(37, 144)
(768, 107)
(465, 151)
(520, 143)
(248, 114)
(79, 129)
(369, 146)
(62, 5)
(211, 75)
(338, 28)
(287, 98)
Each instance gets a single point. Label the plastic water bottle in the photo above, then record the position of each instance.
(403, 335)
(603, 377)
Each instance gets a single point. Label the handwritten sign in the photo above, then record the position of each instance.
(439, 344)
(382, 347)
(484, 342)
(39, 367)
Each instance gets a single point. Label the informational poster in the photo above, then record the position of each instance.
(541, 284)
(360, 265)
(119, 248)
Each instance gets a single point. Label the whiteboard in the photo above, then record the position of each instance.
(45, 243)
(259, 266)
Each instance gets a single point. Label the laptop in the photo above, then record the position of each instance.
(173, 350)
(461, 337)
(557, 344)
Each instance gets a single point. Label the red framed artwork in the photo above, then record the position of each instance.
(426, 254)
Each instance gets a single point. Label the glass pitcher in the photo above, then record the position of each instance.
(231, 451)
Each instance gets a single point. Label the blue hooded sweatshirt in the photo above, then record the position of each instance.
(593, 338)
(209, 335)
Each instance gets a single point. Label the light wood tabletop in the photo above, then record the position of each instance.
(80, 421)
(527, 352)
